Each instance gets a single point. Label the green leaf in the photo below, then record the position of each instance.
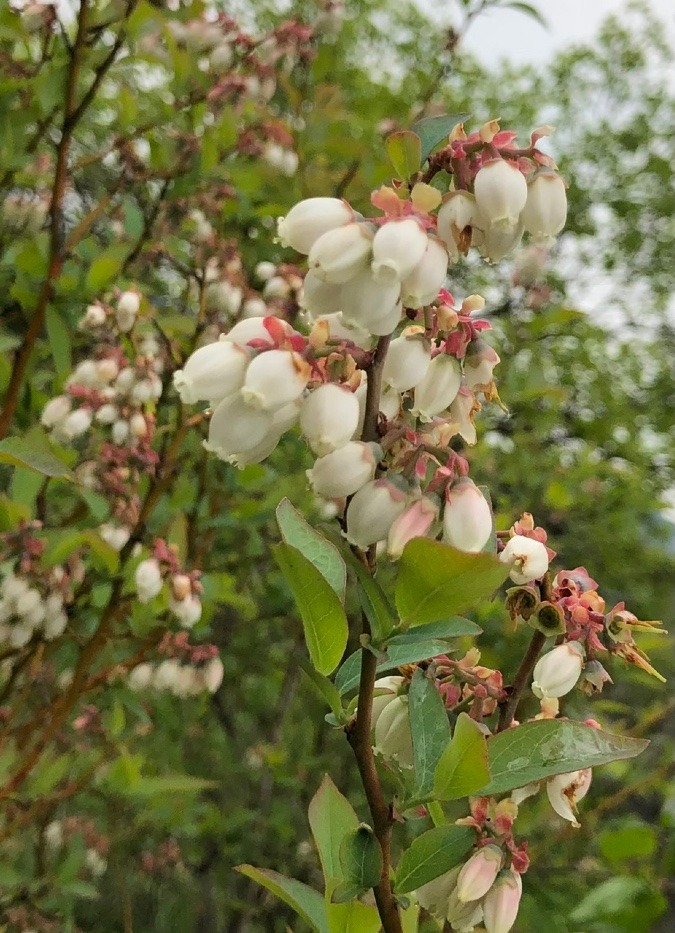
(305, 901)
(323, 618)
(431, 855)
(167, 784)
(404, 149)
(12, 513)
(408, 648)
(324, 688)
(105, 267)
(436, 580)
(353, 918)
(528, 10)
(331, 817)
(374, 603)
(431, 130)
(361, 858)
(627, 902)
(58, 335)
(631, 841)
(33, 451)
(312, 545)
(430, 730)
(538, 750)
(463, 767)
(103, 555)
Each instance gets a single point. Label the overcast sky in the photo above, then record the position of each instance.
(508, 33)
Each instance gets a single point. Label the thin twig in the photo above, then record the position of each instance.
(520, 681)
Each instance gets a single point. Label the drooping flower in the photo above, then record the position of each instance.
(478, 874)
(309, 219)
(344, 471)
(329, 417)
(467, 517)
(566, 790)
(398, 247)
(501, 903)
(528, 559)
(557, 672)
(212, 372)
(372, 511)
(545, 210)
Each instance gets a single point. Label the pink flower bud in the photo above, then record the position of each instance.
(398, 247)
(479, 361)
(557, 672)
(478, 874)
(310, 219)
(407, 361)
(329, 417)
(467, 517)
(414, 522)
(545, 210)
(500, 907)
(369, 303)
(393, 738)
(342, 472)
(55, 410)
(438, 388)
(275, 378)
(428, 277)
(456, 214)
(528, 557)
(372, 511)
(148, 580)
(501, 192)
(566, 790)
(340, 254)
(211, 373)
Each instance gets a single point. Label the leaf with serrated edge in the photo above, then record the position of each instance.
(430, 730)
(331, 817)
(436, 580)
(323, 617)
(539, 750)
(311, 543)
(463, 767)
(305, 901)
(431, 855)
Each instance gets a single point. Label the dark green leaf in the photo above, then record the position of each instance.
(58, 334)
(431, 130)
(105, 267)
(374, 602)
(430, 731)
(361, 858)
(538, 750)
(463, 768)
(324, 687)
(323, 618)
(312, 545)
(432, 854)
(404, 149)
(436, 580)
(305, 901)
(331, 817)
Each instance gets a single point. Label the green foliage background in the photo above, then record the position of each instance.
(587, 447)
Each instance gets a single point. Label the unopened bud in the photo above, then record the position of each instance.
(557, 672)
(310, 219)
(393, 738)
(148, 580)
(414, 522)
(500, 907)
(467, 517)
(329, 417)
(478, 874)
(372, 511)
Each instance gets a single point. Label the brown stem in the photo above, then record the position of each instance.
(359, 733)
(521, 680)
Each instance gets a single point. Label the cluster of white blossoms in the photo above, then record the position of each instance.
(152, 575)
(107, 389)
(178, 678)
(30, 606)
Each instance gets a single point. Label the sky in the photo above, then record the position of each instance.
(509, 33)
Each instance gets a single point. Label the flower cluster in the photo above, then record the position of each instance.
(187, 670)
(183, 588)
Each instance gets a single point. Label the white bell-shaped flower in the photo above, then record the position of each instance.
(390, 404)
(309, 219)
(372, 511)
(274, 378)
(545, 210)
(212, 674)
(56, 410)
(479, 873)
(398, 247)
(367, 302)
(148, 579)
(467, 517)
(329, 417)
(428, 277)
(319, 297)
(501, 903)
(498, 241)
(340, 254)
(407, 361)
(461, 412)
(393, 738)
(76, 423)
(500, 190)
(252, 328)
(387, 324)
(456, 213)
(188, 611)
(336, 328)
(345, 470)
(564, 792)
(528, 557)
(439, 387)
(479, 361)
(557, 672)
(212, 372)
(236, 428)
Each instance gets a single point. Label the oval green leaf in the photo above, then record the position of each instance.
(463, 766)
(318, 550)
(404, 149)
(305, 901)
(432, 854)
